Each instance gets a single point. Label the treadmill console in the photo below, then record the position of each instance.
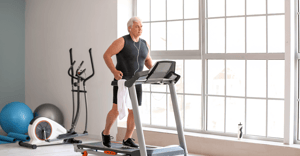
(158, 74)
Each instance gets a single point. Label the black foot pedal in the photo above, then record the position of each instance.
(72, 140)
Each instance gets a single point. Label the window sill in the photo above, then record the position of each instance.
(218, 137)
(207, 144)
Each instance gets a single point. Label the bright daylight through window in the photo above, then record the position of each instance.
(230, 55)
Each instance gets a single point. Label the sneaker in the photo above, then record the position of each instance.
(106, 140)
(129, 143)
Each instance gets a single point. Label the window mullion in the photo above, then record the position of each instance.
(267, 50)
(297, 75)
(150, 36)
(246, 62)
(267, 98)
(296, 133)
(225, 76)
(134, 8)
(225, 72)
(202, 44)
(267, 73)
(166, 25)
(183, 25)
(289, 107)
(183, 96)
(245, 27)
(151, 113)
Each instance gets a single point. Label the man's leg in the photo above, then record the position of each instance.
(130, 125)
(110, 119)
(128, 141)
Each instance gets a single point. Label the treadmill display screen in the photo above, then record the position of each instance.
(160, 70)
(163, 67)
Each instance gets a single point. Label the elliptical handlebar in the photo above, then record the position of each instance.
(79, 67)
(92, 63)
(71, 70)
(77, 74)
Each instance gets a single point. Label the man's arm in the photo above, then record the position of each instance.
(114, 49)
(148, 60)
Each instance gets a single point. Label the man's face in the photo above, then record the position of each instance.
(136, 28)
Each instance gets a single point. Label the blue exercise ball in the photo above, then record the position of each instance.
(15, 117)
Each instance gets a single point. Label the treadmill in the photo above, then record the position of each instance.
(163, 73)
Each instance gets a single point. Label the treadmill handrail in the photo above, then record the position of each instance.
(143, 77)
(152, 81)
(136, 77)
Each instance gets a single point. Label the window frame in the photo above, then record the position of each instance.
(290, 103)
(296, 132)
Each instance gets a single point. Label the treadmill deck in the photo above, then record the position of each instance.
(99, 149)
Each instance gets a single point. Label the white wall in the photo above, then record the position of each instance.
(124, 14)
(53, 27)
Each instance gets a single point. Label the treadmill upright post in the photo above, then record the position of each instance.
(137, 120)
(177, 118)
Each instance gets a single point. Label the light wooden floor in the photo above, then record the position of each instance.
(14, 149)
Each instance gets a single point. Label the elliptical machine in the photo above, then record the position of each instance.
(44, 131)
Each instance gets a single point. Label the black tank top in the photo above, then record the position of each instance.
(131, 60)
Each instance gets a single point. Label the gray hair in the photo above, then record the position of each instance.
(131, 20)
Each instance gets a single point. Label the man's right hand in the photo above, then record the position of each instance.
(118, 74)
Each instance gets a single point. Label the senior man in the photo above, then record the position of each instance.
(132, 54)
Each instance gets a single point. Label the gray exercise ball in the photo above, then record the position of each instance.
(50, 111)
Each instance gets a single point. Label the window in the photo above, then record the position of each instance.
(170, 25)
(235, 48)
(247, 90)
(157, 99)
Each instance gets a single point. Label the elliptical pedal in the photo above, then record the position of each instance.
(72, 140)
